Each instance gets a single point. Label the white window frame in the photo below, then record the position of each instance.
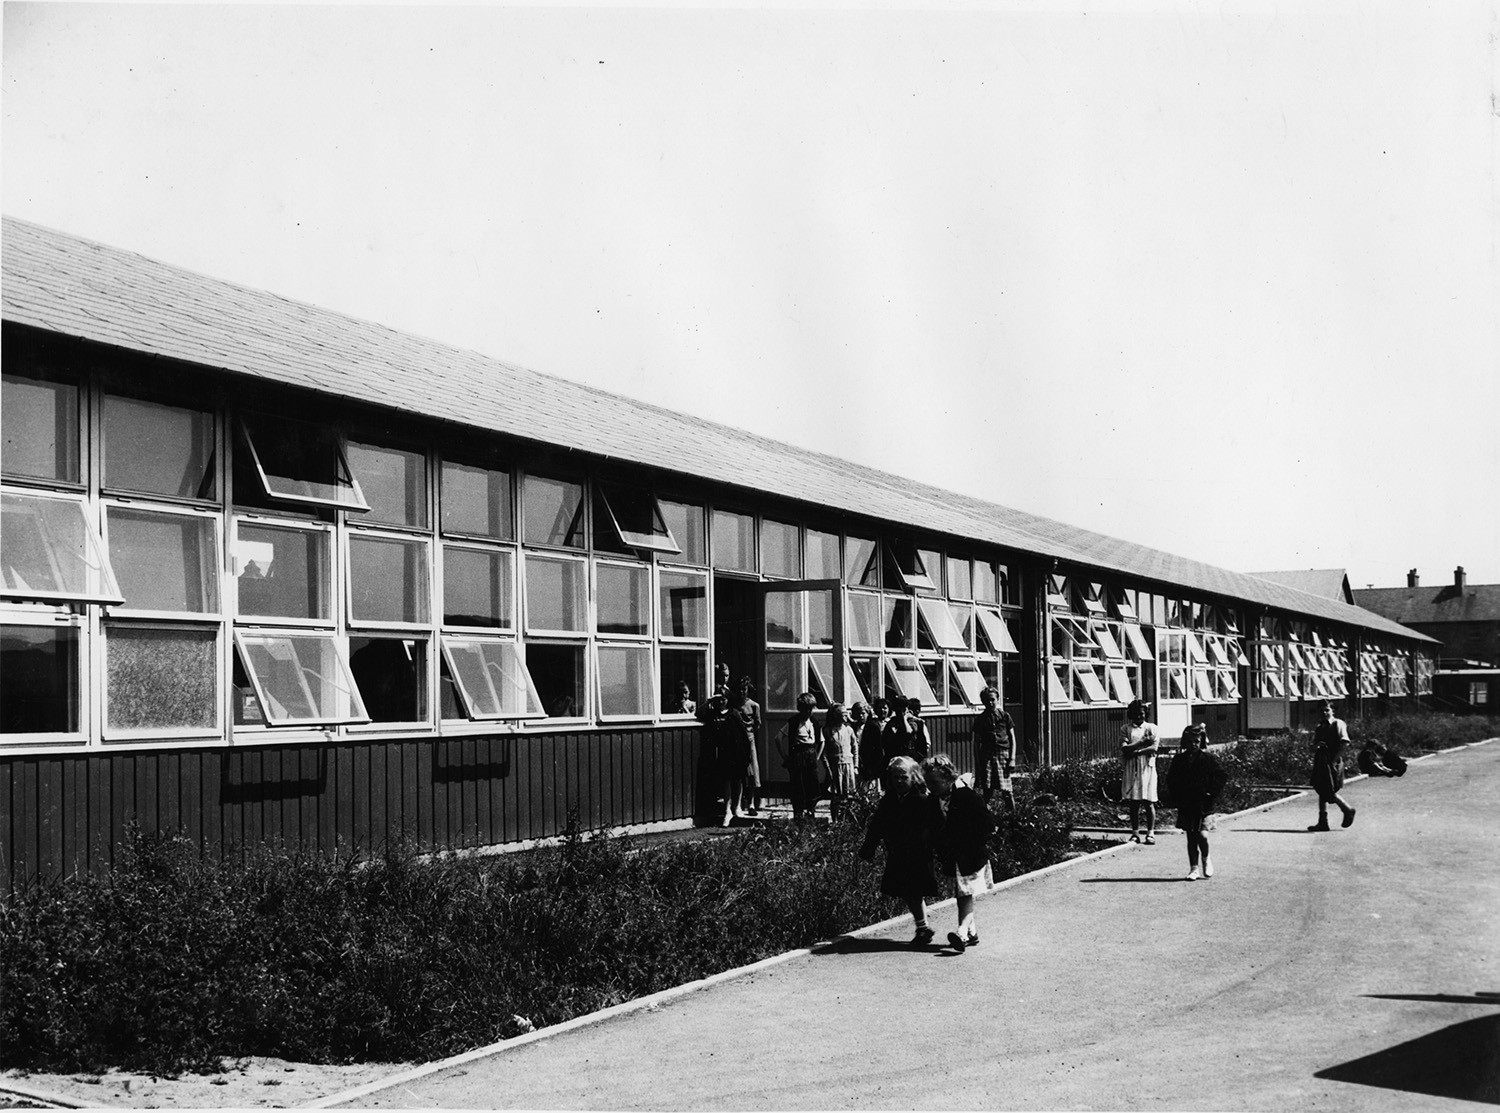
(443, 530)
(660, 621)
(651, 600)
(27, 615)
(995, 630)
(892, 669)
(934, 613)
(1135, 634)
(970, 681)
(449, 642)
(429, 682)
(340, 648)
(356, 503)
(101, 584)
(215, 557)
(632, 539)
(330, 568)
(920, 579)
(558, 557)
(111, 734)
(424, 540)
(440, 619)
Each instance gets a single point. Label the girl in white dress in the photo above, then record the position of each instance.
(1138, 746)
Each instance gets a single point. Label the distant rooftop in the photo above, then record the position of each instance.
(75, 287)
(1330, 583)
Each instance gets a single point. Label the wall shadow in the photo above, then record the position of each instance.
(1461, 1061)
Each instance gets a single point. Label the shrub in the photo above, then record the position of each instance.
(175, 960)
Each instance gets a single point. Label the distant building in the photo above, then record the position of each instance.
(1464, 617)
(1330, 583)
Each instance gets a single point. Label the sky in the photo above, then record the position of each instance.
(1220, 279)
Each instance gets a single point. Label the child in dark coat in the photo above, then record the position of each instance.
(904, 821)
(962, 842)
(1194, 781)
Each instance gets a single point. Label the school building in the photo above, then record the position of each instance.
(273, 573)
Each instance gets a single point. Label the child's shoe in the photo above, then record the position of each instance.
(1192, 874)
(956, 941)
(923, 937)
(1349, 818)
(973, 940)
(1321, 826)
(1149, 840)
(1208, 867)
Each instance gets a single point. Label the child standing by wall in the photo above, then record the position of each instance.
(838, 755)
(962, 842)
(905, 822)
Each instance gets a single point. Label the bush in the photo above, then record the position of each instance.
(1080, 781)
(176, 961)
(1415, 734)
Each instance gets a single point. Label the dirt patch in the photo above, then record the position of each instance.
(247, 1084)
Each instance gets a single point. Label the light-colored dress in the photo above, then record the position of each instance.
(1138, 777)
(840, 757)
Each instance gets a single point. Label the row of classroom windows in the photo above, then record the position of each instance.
(133, 600)
(342, 605)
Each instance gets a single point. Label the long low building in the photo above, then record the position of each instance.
(270, 572)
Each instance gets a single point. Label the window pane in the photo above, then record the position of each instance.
(162, 679)
(998, 635)
(623, 599)
(626, 683)
(959, 581)
(477, 587)
(963, 621)
(897, 622)
(40, 669)
(684, 680)
(938, 622)
(785, 680)
(476, 500)
(933, 671)
(910, 566)
(779, 550)
(493, 681)
(862, 671)
(51, 551)
(932, 562)
(39, 426)
(965, 682)
(734, 541)
(861, 562)
(394, 483)
(387, 580)
(822, 555)
(301, 678)
(633, 518)
(557, 673)
(554, 596)
(906, 678)
(819, 617)
(866, 627)
(820, 678)
(554, 512)
(986, 579)
(162, 450)
(684, 605)
(165, 562)
(784, 618)
(298, 461)
(685, 520)
(392, 677)
(282, 572)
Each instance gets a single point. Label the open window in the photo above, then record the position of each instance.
(1136, 637)
(52, 552)
(300, 679)
(300, 462)
(1104, 638)
(1092, 595)
(907, 562)
(1057, 592)
(965, 680)
(905, 676)
(1058, 686)
(995, 630)
(1092, 687)
(491, 679)
(1120, 688)
(937, 624)
(1124, 608)
(636, 518)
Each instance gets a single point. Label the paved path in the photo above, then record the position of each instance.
(1354, 970)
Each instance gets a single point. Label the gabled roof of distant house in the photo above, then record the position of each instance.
(1330, 583)
(79, 288)
(1444, 603)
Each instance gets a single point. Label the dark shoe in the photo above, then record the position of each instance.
(1348, 818)
(923, 937)
(956, 941)
(1320, 827)
(973, 940)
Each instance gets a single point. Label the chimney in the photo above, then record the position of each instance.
(1411, 578)
(1458, 577)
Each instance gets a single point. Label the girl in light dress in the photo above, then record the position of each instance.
(1138, 746)
(838, 757)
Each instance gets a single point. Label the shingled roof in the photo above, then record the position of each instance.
(1330, 583)
(1445, 603)
(68, 285)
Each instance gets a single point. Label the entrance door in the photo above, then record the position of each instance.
(802, 650)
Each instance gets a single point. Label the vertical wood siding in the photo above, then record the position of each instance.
(67, 814)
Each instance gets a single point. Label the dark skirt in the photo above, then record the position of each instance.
(1191, 820)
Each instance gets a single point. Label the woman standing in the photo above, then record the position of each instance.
(1138, 746)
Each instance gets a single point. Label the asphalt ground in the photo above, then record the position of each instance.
(1353, 970)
